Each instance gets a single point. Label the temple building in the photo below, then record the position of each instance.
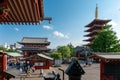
(22, 12)
(109, 65)
(94, 27)
(34, 51)
(33, 45)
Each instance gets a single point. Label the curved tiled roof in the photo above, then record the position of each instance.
(97, 21)
(34, 40)
(23, 12)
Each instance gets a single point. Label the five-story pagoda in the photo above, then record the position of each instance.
(94, 26)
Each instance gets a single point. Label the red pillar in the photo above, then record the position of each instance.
(111, 78)
(101, 70)
(3, 63)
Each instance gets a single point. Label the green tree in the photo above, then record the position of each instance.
(2, 48)
(11, 50)
(56, 55)
(106, 41)
(72, 50)
(65, 51)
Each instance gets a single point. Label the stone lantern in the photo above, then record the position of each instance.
(74, 70)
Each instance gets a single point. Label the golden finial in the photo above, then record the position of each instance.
(96, 12)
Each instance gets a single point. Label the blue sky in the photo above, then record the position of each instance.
(68, 20)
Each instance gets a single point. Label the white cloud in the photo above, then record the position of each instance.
(113, 23)
(59, 34)
(16, 29)
(116, 28)
(77, 43)
(119, 9)
(47, 27)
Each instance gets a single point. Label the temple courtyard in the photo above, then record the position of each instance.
(91, 73)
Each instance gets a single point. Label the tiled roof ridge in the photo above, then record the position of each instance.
(34, 38)
(107, 53)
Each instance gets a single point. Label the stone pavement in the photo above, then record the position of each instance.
(91, 73)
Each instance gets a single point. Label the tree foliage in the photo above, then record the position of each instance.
(106, 41)
(65, 51)
(11, 50)
(7, 50)
(72, 50)
(56, 55)
(2, 48)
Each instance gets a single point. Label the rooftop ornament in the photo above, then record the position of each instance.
(48, 19)
(4, 11)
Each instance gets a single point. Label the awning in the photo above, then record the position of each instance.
(40, 56)
(44, 56)
(14, 54)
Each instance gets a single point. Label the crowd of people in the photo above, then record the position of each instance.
(23, 66)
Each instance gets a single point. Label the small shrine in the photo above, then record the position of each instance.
(39, 61)
(74, 71)
(109, 65)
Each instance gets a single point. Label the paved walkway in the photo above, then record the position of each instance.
(91, 73)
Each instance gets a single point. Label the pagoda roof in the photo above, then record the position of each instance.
(32, 40)
(89, 39)
(23, 12)
(89, 44)
(92, 33)
(97, 21)
(96, 27)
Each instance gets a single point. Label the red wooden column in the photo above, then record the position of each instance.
(111, 78)
(3, 63)
(101, 70)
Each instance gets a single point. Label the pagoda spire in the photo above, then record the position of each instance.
(96, 12)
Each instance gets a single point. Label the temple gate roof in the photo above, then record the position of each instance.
(32, 40)
(22, 12)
